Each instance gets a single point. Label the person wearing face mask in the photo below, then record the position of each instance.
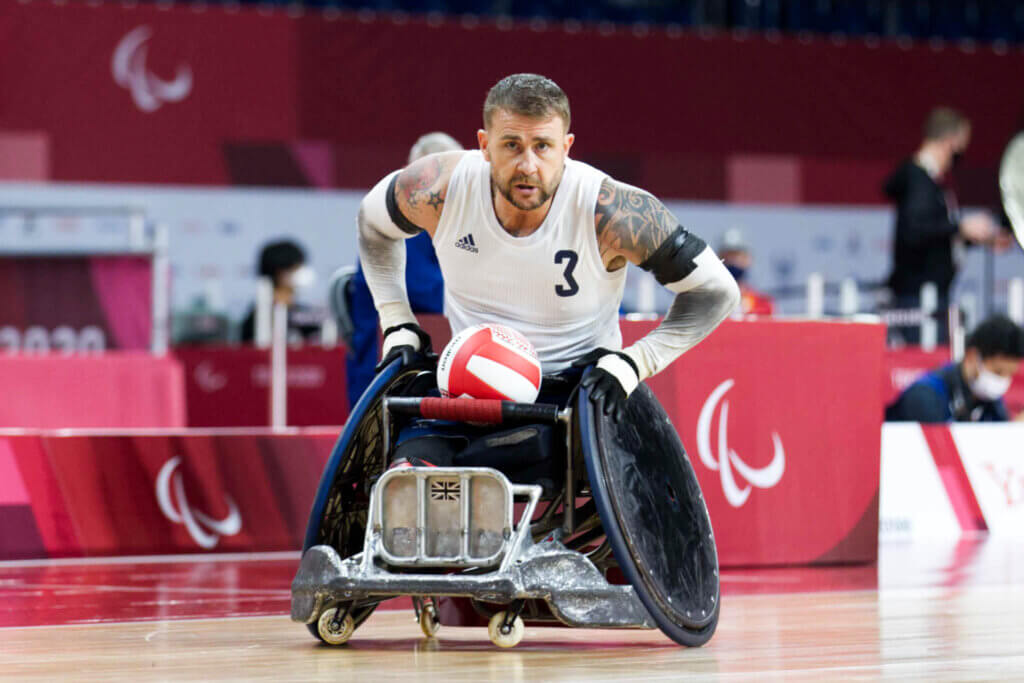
(971, 390)
(735, 254)
(284, 262)
(929, 227)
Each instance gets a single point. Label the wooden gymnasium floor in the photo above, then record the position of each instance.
(927, 612)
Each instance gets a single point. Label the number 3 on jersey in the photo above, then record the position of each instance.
(572, 258)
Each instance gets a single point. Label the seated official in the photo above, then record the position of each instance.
(284, 262)
(971, 390)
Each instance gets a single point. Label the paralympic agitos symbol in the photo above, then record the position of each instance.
(128, 67)
(727, 459)
(204, 530)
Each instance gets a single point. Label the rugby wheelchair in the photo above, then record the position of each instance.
(620, 539)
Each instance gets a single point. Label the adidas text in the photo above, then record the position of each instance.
(467, 243)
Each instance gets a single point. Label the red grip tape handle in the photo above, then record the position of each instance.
(462, 409)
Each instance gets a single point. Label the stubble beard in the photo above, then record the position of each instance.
(543, 194)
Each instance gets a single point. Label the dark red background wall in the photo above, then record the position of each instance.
(315, 100)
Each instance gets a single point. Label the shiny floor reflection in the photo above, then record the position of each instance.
(927, 611)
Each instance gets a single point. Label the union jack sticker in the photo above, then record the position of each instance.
(446, 489)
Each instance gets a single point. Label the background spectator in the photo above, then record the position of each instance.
(971, 390)
(284, 262)
(735, 254)
(928, 220)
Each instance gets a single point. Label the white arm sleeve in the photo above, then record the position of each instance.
(704, 298)
(382, 255)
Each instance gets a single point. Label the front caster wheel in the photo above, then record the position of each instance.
(504, 635)
(335, 634)
(429, 622)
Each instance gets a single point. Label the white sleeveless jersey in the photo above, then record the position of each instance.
(549, 285)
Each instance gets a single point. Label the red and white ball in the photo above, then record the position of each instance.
(489, 361)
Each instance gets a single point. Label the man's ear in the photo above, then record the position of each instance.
(569, 139)
(481, 138)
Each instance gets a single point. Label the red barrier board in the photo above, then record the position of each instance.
(157, 493)
(114, 390)
(230, 387)
(781, 421)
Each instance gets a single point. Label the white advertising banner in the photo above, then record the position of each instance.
(913, 502)
(993, 456)
(981, 467)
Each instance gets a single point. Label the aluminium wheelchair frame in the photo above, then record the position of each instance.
(546, 569)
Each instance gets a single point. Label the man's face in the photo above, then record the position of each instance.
(736, 257)
(283, 279)
(1004, 366)
(527, 156)
(960, 140)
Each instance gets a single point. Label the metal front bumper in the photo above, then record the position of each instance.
(572, 586)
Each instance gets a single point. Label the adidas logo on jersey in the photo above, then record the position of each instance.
(468, 244)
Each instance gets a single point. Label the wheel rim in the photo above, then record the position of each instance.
(509, 639)
(328, 633)
(429, 622)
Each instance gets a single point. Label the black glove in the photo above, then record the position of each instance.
(410, 350)
(609, 378)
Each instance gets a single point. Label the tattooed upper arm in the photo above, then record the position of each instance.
(421, 188)
(631, 224)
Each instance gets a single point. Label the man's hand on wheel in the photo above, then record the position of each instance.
(614, 377)
(408, 342)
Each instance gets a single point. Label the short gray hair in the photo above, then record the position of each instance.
(432, 143)
(527, 95)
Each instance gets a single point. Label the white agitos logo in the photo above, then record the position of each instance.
(204, 530)
(129, 69)
(208, 379)
(727, 459)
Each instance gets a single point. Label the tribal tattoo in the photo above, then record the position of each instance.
(631, 224)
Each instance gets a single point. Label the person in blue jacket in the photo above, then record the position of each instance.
(971, 390)
(422, 280)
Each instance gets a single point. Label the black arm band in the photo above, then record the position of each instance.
(399, 219)
(674, 259)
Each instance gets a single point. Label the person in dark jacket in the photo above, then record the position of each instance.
(971, 390)
(928, 221)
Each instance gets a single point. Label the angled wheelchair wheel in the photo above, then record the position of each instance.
(430, 623)
(504, 632)
(333, 631)
(653, 514)
(338, 517)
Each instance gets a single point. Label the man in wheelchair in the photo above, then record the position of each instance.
(417, 499)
